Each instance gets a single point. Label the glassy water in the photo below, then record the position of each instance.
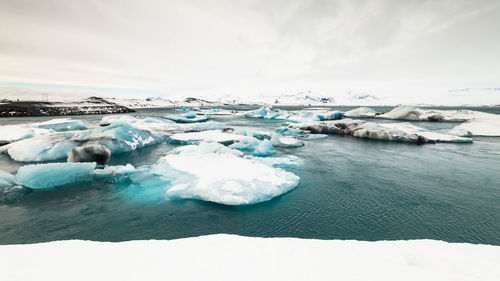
(350, 189)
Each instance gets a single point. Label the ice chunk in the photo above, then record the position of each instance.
(282, 141)
(41, 176)
(189, 117)
(398, 132)
(411, 113)
(6, 179)
(480, 124)
(118, 137)
(254, 147)
(110, 119)
(62, 125)
(296, 117)
(361, 112)
(12, 133)
(290, 131)
(115, 174)
(212, 135)
(90, 153)
(314, 136)
(210, 172)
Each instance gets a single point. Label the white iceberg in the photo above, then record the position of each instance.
(410, 113)
(361, 112)
(278, 140)
(396, 132)
(294, 116)
(40, 176)
(479, 124)
(253, 146)
(189, 117)
(213, 172)
(212, 135)
(12, 133)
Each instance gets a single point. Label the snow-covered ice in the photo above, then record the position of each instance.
(188, 117)
(232, 257)
(479, 124)
(118, 137)
(40, 176)
(278, 140)
(294, 116)
(253, 146)
(398, 132)
(212, 135)
(213, 172)
(361, 112)
(12, 133)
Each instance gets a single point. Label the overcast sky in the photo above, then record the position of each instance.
(251, 47)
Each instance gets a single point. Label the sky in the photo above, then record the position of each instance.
(247, 48)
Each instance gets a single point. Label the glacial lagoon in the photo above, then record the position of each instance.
(350, 188)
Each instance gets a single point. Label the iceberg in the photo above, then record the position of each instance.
(396, 132)
(189, 117)
(282, 141)
(296, 117)
(212, 135)
(108, 120)
(410, 113)
(254, 147)
(6, 179)
(118, 137)
(115, 174)
(213, 172)
(40, 176)
(479, 124)
(12, 133)
(361, 112)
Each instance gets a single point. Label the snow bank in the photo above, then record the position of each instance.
(213, 172)
(231, 257)
(54, 174)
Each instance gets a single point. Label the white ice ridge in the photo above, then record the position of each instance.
(396, 132)
(294, 116)
(411, 113)
(11, 133)
(361, 112)
(213, 172)
(231, 257)
(479, 124)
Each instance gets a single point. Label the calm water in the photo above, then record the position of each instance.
(350, 189)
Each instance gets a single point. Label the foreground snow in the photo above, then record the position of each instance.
(231, 257)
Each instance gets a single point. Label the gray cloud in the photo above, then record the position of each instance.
(249, 47)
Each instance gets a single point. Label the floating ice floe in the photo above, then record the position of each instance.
(212, 135)
(12, 133)
(283, 141)
(118, 137)
(411, 113)
(397, 132)
(361, 112)
(296, 117)
(213, 172)
(115, 174)
(6, 179)
(253, 146)
(188, 117)
(479, 124)
(40, 176)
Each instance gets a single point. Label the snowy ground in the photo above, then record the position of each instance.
(231, 257)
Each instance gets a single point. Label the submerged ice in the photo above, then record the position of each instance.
(40, 176)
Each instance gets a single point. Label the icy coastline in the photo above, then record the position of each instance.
(231, 257)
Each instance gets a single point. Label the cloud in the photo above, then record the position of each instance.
(249, 47)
